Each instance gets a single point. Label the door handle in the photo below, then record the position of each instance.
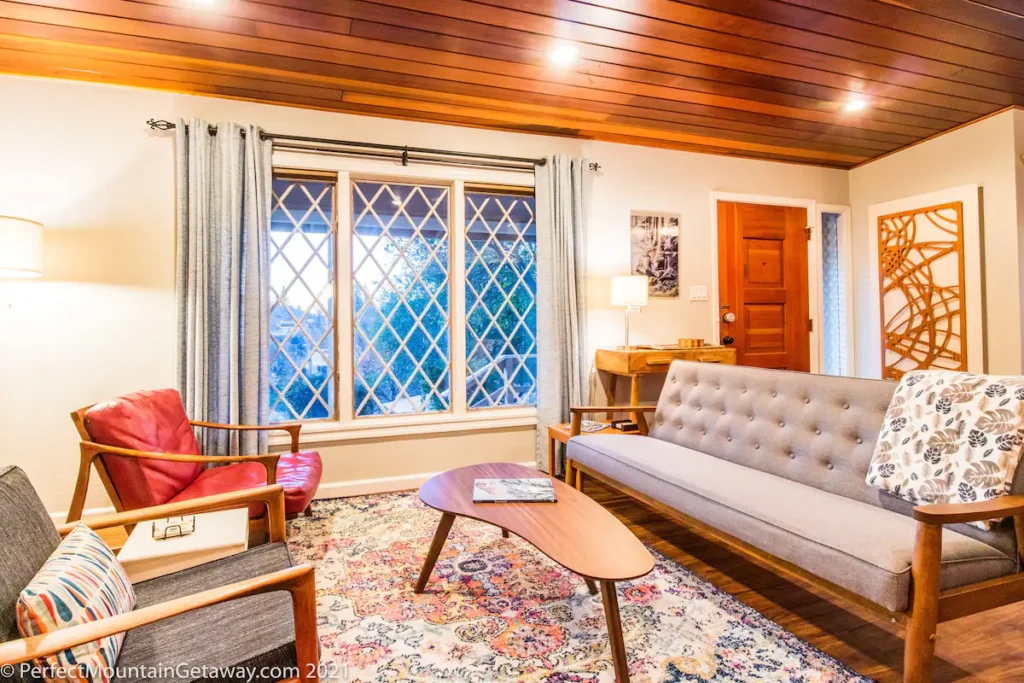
(729, 317)
(726, 340)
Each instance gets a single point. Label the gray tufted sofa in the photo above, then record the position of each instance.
(777, 461)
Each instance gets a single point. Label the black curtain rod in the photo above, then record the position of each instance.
(402, 153)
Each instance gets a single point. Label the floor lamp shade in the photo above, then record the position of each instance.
(21, 248)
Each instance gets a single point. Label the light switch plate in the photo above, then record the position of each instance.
(698, 292)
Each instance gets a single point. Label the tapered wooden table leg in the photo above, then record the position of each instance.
(591, 586)
(611, 614)
(440, 536)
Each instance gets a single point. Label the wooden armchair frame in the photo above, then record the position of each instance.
(298, 581)
(928, 605)
(90, 453)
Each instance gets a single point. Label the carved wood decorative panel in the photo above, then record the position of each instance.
(923, 307)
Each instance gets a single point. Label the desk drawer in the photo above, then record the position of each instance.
(649, 362)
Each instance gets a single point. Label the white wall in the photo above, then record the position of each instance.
(1018, 165)
(982, 154)
(79, 158)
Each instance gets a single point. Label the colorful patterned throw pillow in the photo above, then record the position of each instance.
(82, 581)
(950, 437)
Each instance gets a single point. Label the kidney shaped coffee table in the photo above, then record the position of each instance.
(575, 532)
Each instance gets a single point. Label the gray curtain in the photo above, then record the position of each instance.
(561, 300)
(224, 189)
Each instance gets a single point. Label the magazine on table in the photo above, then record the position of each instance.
(527, 490)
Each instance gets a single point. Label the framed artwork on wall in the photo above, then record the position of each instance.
(927, 251)
(654, 251)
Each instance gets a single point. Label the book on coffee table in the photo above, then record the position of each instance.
(531, 490)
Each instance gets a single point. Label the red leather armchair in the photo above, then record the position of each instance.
(145, 452)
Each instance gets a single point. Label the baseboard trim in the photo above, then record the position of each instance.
(61, 517)
(334, 489)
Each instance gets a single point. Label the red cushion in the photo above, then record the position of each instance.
(153, 421)
(299, 474)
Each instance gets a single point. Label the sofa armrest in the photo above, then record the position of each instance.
(577, 413)
(273, 496)
(298, 581)
(293, 429)
(610, 409)
(89, 451)
(955, 513)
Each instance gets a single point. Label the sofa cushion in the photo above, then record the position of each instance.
(816, 430)
(299, 474)
(153, 421)
(250, 633)
(27, 538)
(862, 548)
(950, 437)
(81, 582)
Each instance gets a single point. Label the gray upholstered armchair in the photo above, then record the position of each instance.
(254, 611)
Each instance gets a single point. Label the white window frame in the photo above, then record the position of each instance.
(459, 418)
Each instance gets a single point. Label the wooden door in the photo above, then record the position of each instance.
(762, 280)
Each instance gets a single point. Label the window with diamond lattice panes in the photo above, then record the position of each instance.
(302, 349)
(400, 298)
(501, 292)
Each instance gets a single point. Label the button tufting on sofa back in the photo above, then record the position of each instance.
(814, 429)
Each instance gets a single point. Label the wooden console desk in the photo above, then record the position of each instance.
(635, 363)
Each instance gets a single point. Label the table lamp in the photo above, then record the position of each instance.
(629, 291)
(21, 248)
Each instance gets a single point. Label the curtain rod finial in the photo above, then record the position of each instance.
(160, 124)
(594, 166)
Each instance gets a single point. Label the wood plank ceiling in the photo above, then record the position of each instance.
(754, 78)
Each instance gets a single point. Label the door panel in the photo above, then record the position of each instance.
(763, 260)
(762, 279)
(765, 329)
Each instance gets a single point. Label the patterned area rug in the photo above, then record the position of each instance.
(498, 610)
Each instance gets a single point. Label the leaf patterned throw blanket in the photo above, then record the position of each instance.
(950, 437)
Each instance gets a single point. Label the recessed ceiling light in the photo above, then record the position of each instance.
(563, 55)
(855, 104)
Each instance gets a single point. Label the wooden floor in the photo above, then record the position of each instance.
(982, 647)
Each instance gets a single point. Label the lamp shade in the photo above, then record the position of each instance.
(21, 248)
(629, 290)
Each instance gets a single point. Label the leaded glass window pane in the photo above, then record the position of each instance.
(833, 292)
(401, 320)
(302, 359)
(501, 295)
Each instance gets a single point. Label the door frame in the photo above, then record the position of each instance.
(813, 262)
